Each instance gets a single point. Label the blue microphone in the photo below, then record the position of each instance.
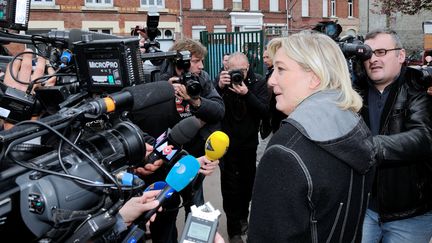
(180, 175)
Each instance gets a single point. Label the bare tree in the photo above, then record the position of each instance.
(410, 7)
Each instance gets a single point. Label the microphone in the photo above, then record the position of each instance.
(74, 35)
(135, 97)
(168, 145)
(180, 175)
(128, 179)
(215, 147)
(131, 98)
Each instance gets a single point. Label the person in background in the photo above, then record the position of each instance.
(246, 102)
(314, 179)
(271, 123)
(398, 112)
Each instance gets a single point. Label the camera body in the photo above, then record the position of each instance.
(236, 76)
(188, 79)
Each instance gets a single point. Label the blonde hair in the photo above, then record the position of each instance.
(320, 54)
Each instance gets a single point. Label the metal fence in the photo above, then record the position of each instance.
(250, 43)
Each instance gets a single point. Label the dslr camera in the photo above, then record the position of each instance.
(189, 80)
(236, 76)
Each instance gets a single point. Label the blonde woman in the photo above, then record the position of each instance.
(314, 179)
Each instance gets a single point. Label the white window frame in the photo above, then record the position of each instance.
(237, 5)
(43, 3)
(274, 5)
(350, 8)
(197, 4)
(305, 8)
(94, 4)
(218, 4)
(196, 29)
(254, 5)
(146, 4)
(325, 8)
(102, 30)
(332, 8)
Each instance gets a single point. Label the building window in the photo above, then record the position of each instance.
(305, 8)
(325, 8)
(218, 4)
(274, 5)
(152, 3)
(350, 9)
(237, 5)
(43, 2)
(99, 3)
(333, 8)
(104, 31)
(274, 30)
(254, 5)
(196, 30)
(197, 4)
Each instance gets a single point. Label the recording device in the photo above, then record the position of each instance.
(201, 224)
(15, 105)
(168, 144)
(351, 46)
(236, 76)
(180, 175)
(109, 65)
(14, 14)
(189, 80)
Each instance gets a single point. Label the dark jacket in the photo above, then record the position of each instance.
(313, 181)
(243, 113)
(212, 107)
(403, 183)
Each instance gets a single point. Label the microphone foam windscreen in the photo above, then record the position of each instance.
(150, 94)
(183, 172)
(185, 130)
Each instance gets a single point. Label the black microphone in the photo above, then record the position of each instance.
(168, 145)
(74, 35)
(131, 98)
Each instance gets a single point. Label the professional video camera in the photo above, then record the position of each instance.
(50, 194)
(353, 48)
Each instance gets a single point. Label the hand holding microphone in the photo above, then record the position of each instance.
(215, 147)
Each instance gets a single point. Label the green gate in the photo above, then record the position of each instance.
(250, 43)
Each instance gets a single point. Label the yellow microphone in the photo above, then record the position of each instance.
(216, 145)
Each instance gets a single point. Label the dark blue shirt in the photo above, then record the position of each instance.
(376, 102)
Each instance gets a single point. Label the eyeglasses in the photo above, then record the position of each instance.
(383, 52)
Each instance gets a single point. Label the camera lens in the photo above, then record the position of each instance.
(236, 76)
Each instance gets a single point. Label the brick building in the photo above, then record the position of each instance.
(119, 17)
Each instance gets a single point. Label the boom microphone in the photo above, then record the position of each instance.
(135, 98)
(132, 98)
(74, 35)
(168, 145)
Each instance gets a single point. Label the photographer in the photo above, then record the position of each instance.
(246, 102)
(205, 104)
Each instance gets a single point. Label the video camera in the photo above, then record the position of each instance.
(351, 46)
(85, 146)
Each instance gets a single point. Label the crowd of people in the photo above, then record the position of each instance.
(345, 162)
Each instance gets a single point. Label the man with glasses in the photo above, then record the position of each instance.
(246, 102)
(398, 112)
